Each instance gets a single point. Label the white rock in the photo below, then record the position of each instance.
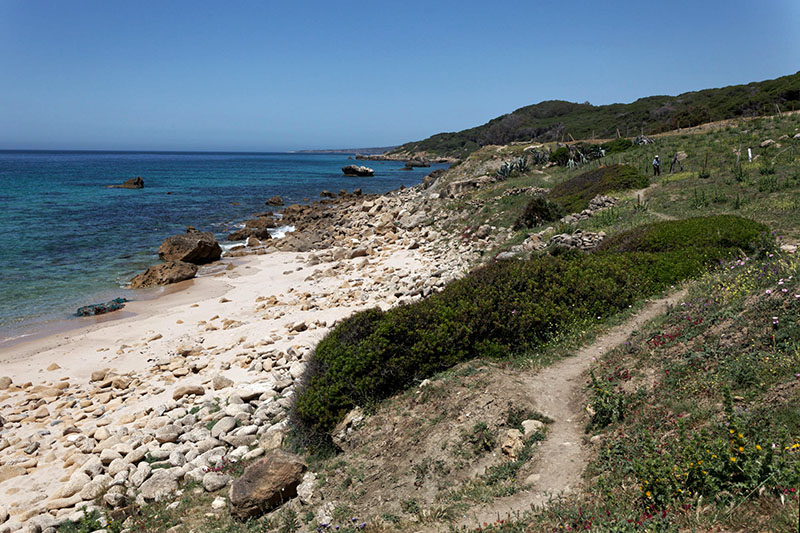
(531, 427)
(219, 503)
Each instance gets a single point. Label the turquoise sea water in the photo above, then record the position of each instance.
(70, 241)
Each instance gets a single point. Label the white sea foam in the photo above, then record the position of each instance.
(281, 231)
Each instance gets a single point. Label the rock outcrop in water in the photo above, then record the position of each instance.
(133, 183)
(355, 170)
(164, 274)
(194, 246)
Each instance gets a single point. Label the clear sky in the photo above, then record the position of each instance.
(269, 75)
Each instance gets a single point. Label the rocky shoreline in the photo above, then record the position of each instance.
(136, 417)
(128, 413)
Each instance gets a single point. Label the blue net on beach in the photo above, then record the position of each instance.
(102, 308)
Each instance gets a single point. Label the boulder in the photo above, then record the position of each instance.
(355, 170)
(275, 201)
(133, 183)
(213, 481)
(262, 234)
(160, 485)
(186, 390)
(431, 178)
(266, 484)
(327, 194)
(412, 163)
(456, 188)
(191, 247)
(164, 274)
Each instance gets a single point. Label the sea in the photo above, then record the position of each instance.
(72, 241)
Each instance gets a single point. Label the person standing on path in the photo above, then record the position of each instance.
(656, 167)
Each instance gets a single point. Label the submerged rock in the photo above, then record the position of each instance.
(133, 183)
(275, 201)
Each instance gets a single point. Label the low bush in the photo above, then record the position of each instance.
(538, 211)
(502, 308)
(718, 232)
(560, 156)
(617, 146)
(575, 193)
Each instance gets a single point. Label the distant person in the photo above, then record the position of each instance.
(656, 167)
(672, 165)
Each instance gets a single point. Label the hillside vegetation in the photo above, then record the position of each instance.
(504, 307)
(556, 119)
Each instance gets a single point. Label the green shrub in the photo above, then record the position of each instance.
(709, 235)
(560, 156)
(504, 307)
(538, 211)
(617, 146)
(575, 193)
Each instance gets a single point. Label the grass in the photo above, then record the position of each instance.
(574, 194)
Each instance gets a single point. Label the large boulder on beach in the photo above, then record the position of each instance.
(133, 183)
(164, 274)
(262, 234)
(275, 201)
(355, 170)
(194, 246)
(266, 484)
(255, 227)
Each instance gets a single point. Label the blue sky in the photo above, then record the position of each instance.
(264, 75)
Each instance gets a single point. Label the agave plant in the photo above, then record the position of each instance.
(539, 157)
(505, 170)
(521, 163)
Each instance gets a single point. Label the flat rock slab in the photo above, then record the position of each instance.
(266, 484)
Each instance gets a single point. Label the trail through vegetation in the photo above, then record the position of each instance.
(559, 392)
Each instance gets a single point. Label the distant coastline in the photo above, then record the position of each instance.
(365, 151)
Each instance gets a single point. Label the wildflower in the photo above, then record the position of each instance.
(647, 493)
(733, 459)
(769, 291)
(741, 448)
(758, 447)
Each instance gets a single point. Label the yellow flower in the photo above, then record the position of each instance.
(647, 493)
(731, 432)
(758, 447)
(741, 448)
(733, 459)
(741, 436)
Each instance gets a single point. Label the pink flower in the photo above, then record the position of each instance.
(769, 291)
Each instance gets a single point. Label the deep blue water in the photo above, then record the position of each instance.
(70, 241)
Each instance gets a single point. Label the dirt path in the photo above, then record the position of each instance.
(558, 392)
(642, 194)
